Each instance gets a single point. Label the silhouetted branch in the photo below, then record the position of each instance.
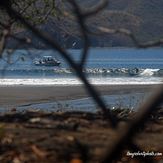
(81, 16)
(3, 41)
(128, 132)
(94, 10)
(83, 28)
(3, 25)
(51, 42)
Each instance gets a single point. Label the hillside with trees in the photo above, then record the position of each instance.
(144, 18)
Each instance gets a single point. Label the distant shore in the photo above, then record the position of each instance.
(19, 95)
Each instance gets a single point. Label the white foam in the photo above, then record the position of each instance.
(75, 81)
(149, 72)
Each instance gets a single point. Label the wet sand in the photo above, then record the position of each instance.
(18, 95)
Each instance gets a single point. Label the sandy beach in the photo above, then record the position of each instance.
(70, 137)
(18, 95)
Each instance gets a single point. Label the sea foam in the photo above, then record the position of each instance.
(76, 81)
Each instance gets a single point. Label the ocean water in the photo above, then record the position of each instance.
(103, 67)
(117, 66)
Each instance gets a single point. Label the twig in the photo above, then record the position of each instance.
(50, 41)
(130, 130)
(83, 28)
(94, 10)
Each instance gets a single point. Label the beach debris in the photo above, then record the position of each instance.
(17, 160)
(35, 120)
(2, 131)
(39, 152)
(7, 139)
(70, 138)
(40, 120)
(33, 110)
(76, 160)
(64, 144)
(13, 110)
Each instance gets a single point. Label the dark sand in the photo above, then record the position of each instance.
(35, 137)
(69, 137)
(18, 95)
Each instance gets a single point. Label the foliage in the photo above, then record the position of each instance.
(35, 11)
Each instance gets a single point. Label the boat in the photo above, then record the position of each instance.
(47, 61)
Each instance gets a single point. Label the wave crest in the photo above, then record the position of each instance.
(113, 72)
(116, 71)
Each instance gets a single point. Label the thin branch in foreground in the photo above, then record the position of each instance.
(81, 16)
(3, 41)
(83, 28)
(50, 41)
(95, 9)
(130, 130)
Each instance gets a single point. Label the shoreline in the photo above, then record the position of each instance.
(21, 95)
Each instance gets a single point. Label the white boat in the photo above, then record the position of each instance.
(47, 61)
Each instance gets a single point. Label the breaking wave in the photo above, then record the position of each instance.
(75, 81)
(113, 72)
(116, 71)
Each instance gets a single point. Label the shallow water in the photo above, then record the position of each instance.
(130, 100)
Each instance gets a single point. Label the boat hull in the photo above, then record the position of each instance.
(47, 64)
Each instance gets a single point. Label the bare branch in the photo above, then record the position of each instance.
(50, 41)
(95, 9)
(3, 25)
(128, 132)
(83, 29)
(3, 41)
